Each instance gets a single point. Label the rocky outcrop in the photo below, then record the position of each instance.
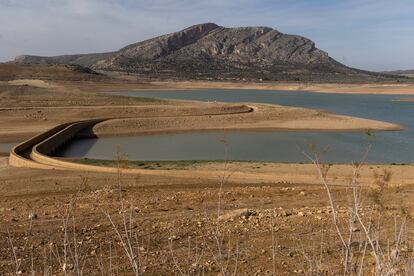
(209, 51)
(233, 46)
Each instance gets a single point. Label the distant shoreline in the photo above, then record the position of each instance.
(362, 88)
(265, 117)
(402, 89)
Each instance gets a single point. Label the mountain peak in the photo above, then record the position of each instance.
(203, 26)
(207, 50)
(236, 47)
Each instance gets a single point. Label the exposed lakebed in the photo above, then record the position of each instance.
(338, 147)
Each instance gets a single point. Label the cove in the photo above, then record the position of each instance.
(337, 147)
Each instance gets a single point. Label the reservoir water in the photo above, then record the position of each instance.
(6, 147)
(337, 147)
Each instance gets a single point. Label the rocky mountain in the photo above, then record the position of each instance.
(209, 51)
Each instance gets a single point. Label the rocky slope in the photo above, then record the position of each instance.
(209, 51)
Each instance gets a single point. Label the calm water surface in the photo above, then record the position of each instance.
(343, 147)
(6, 147)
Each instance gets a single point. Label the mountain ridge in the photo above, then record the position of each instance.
(210, 51)
(408, 73)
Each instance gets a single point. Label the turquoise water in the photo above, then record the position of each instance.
(338, 147)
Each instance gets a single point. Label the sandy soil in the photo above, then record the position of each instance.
(370, 88)
(130, 83)
(15, 180)
(33, 83)
(384, 88)
(263, 117)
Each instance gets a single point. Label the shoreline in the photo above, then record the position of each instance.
(109, 85)
(362, 88)
(178, 131)
(253, 171)
(13, 140)
(190, 162)
(264, 118)
(177, 116)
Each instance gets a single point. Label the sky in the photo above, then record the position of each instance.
(374, 35)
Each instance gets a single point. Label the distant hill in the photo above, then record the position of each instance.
(209, 51)
(71, 72)
(407, 73)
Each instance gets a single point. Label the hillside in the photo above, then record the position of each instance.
(407, 73)
(65, 72)
(208, 51)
